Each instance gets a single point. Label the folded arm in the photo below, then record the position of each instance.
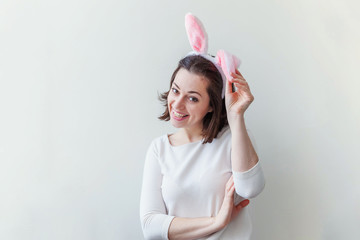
(157, 224)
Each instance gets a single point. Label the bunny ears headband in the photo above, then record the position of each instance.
(225, 62)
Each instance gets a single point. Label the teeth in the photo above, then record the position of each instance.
(178, 114)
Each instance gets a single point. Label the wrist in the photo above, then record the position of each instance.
(217, 224)
(235, 120)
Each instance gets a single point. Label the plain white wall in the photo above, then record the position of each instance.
(78, 108)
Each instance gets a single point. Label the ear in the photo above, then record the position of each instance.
(210, 109)
(196, 33)
(228, 62)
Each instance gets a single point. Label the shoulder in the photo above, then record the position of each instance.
(158, 143)
(223, 137)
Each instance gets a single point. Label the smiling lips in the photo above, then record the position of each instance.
(179, 116)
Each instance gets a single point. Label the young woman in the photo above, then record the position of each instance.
(197, 181)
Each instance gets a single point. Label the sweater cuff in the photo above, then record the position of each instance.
(250, 183)
(166, 226)
(248, 173)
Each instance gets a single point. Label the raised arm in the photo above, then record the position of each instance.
(248, 176)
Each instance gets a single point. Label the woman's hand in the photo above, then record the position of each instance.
(228, 210)
(237, 102)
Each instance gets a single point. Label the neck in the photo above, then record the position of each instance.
(191, 135)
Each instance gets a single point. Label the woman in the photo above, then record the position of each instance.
(197, 181)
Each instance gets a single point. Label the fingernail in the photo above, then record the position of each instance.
(245, 203)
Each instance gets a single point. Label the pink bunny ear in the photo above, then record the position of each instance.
(196, 33)
(228, 62)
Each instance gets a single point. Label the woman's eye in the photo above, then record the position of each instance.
(174, 90)
(193, 99)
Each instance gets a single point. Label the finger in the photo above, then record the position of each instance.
(244, 203)
(238, 83)
(234, 75)
(241, 82)
(229, 186)
(230, 182)
(231, 193)
(238, 79)
(242, 87)
(238, 72)
(241, 205)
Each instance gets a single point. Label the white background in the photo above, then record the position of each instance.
(78, 108)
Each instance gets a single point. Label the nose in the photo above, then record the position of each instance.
(178, 103)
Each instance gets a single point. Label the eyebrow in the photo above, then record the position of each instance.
(188, 91)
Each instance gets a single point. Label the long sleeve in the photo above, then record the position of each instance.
(250, 183)
(153, 215)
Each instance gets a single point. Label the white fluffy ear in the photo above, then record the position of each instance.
(196, 33)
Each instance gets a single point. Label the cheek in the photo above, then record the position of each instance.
(205, 108)
(169, 99)
(197, 110)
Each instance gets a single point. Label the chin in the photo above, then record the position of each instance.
(175, 124)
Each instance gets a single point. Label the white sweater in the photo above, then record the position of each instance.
(189, 181)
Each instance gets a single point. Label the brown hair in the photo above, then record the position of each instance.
(215, 120)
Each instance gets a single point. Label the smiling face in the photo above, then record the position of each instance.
(188, 100)
(188, 110)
